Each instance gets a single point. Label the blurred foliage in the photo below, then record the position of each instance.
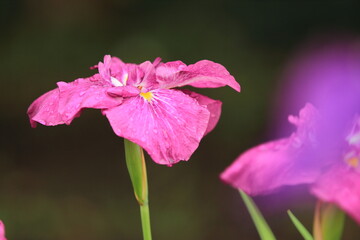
(70, 182)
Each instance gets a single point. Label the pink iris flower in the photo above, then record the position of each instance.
(332, 171)
(141, 103)
(2, 231)
(324, 151)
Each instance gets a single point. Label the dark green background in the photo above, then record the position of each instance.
(70, 182)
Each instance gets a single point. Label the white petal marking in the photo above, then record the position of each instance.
(116, 82)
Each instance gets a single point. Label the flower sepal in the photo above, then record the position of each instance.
(135, 163)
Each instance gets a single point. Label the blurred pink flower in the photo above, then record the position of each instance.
(324, 151)
(2, 231)
(141, 105)
(325, 72)
(330, 167)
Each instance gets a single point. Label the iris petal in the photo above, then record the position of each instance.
(278, 163)
(203, 74)
(65, 103)
(340, 185)
(169, 126)
(213, 106)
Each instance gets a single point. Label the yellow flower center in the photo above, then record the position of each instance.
(353, 162)
(147, 95)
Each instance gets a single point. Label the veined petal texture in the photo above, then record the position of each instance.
(202, 74)
(213, 106)
(65, 103)
(168, 125)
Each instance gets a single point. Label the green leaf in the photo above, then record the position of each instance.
(300, 227)
(259, 221)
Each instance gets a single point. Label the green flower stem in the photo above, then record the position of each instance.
(135, 163)
(317, 233)
(145, 221)
(329, 222)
